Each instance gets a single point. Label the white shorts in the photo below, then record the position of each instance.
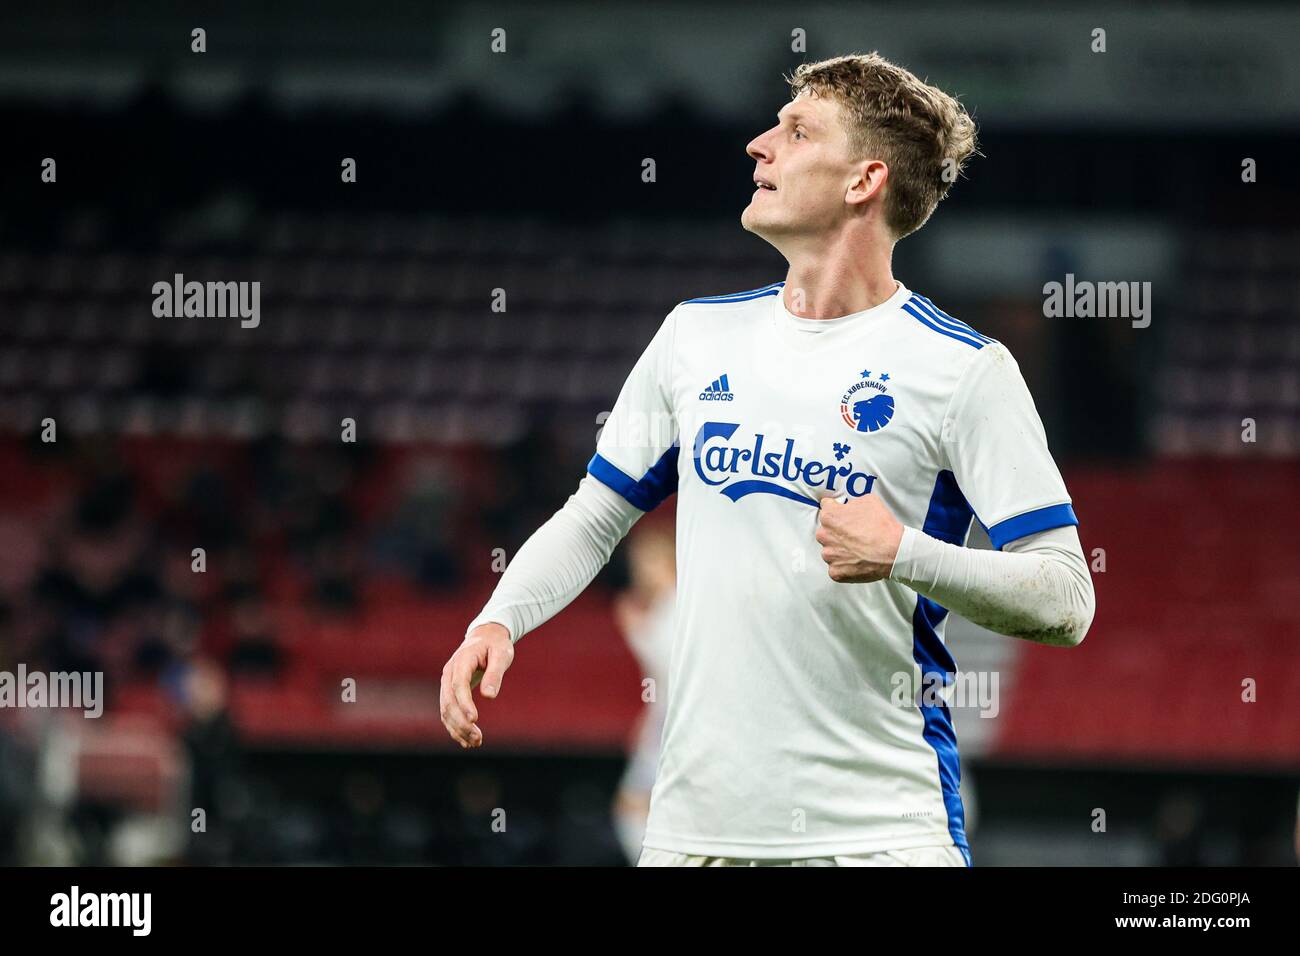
(916, 856)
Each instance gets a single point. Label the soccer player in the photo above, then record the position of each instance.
(830, 438)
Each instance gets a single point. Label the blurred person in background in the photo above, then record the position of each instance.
(1297, 829)
(419, 538)
(645, 616)
(215, 759)
(17, 793)
(1180, 830)
(97, 581)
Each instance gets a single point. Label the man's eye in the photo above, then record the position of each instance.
(798, 134)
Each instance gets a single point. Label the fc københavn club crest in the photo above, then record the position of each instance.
(867, 406)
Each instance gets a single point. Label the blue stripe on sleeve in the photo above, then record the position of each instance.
(1031, 522)
(648, 493)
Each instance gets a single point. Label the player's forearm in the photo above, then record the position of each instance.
(559, 560)
(1037, 588)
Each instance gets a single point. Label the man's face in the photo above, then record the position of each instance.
(803, 172)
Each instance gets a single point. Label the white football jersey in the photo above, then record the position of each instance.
(785, 735)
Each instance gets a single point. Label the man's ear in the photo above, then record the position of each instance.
(871, 179)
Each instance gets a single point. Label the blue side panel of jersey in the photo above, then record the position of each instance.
(948, 519)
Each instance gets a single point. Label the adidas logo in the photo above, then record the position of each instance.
(719, 391)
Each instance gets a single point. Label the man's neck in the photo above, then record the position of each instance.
(841, 280)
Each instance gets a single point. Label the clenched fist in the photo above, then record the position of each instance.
(859, 539)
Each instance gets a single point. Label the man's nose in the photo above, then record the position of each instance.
(758, 148)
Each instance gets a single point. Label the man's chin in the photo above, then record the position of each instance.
(769, 232)
(750, 221)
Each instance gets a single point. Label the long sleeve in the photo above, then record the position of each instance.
(559, 560)
(1037, 587)
(633, 470)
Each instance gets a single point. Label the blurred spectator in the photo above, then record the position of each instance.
(215, 760)
(419, 537)
(17, 794)
(1297, 830)
(97, 580)
(645, 616)
(254, 649)
(169, 637)
(530, 485)
(1180, 831)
